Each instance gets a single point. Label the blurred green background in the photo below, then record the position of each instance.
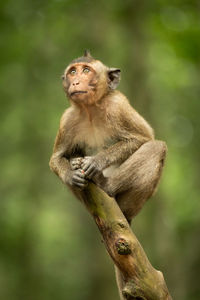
(50, 247)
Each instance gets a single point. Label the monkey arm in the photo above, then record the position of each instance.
(59, 164)
(115, 154)
(69, 174)
(118, 152)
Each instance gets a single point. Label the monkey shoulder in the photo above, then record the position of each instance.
(126, 118)
(119, 107)
(69, 118)
(119, 102)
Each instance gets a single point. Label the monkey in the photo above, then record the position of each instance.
(103, 139)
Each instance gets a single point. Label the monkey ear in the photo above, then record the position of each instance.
(63, 77)
(87, 53)
(113, 78)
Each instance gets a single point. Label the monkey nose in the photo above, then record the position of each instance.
(75, 83)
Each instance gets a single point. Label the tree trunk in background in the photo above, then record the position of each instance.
(135, 17)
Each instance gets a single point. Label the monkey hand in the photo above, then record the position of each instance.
(76, 163)
(78, 179)
(90, 166)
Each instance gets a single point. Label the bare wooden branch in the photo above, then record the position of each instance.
(136, 277)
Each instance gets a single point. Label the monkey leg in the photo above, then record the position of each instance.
(136, 179)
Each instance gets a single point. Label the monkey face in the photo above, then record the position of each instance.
(80, 82)
(87, 80)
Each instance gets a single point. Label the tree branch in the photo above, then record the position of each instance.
(136, 277)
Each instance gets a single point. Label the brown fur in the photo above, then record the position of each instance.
(119, 142)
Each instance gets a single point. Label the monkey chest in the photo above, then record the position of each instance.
(93, 138)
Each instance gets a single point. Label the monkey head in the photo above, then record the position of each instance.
(87, 80)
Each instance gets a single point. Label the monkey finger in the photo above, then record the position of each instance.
(93, 173)
(87, 160)
(85, 166)
(75, 164)
(77, 160)
(79, 173)
(89, 170)
(78, 179)
(75, 167)
(80, 159)
(81, 185)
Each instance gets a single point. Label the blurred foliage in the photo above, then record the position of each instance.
(50, 247)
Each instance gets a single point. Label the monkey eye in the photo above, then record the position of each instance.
(86, 70)
(73, 71)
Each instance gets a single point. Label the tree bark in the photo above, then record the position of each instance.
(136, 277)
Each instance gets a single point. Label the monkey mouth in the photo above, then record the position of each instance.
(78, 92)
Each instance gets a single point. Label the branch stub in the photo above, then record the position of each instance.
(122, 247)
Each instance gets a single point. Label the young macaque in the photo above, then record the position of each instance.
(103, 139)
